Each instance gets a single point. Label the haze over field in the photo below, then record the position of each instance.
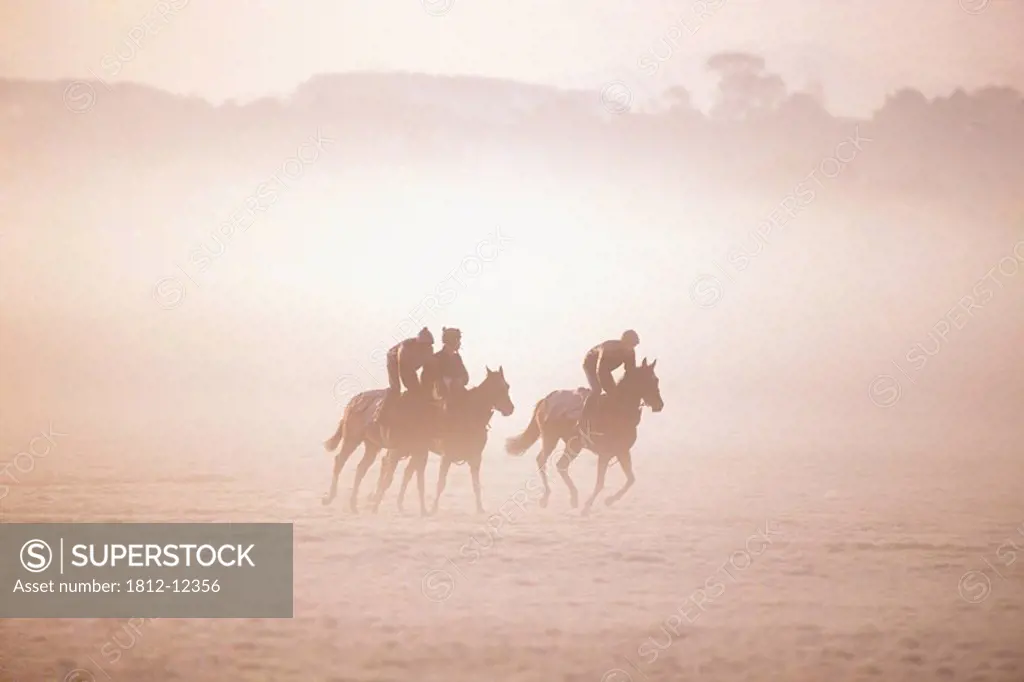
(822, 246)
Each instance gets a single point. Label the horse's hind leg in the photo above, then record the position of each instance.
(602, 469)
(626, 461)
(387, 474)
(365, 463)
(567, 458)
(442, 479)
(406, 478)
(348, 446)
(548, 443)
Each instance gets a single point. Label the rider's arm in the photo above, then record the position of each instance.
(433, 375)
(408, 364)
(629, 358)
(604, 371)
(461, 374)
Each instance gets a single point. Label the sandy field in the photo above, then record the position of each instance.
(799, 564)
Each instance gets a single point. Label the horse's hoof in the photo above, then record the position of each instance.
(326, 500)
(480, 510)
(585, 512)
(543, 503)
(610, 501)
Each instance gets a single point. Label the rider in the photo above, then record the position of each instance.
(404, 360)
(601, 360)
(447, 373)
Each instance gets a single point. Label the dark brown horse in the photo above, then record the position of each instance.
(462, 438)
(610, 434)
(413, 417)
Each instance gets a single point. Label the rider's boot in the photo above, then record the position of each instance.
(585, 414)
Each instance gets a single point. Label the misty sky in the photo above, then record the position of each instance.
(284, 310)
(248, 48)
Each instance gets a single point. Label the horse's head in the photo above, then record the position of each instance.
(642, 384)
(494, 389)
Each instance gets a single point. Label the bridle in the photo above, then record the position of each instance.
(643, 403)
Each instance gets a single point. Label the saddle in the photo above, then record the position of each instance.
(408, 405)
(608, 406)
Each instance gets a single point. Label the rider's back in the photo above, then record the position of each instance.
(411, 351)
(613, 351)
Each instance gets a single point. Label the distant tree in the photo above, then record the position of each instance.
(679, 99)
(999, 105)
(905, 107)
(745, 89)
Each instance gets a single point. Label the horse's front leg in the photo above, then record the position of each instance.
(474, 471)
(602, 469)
(626, 461)
(420, 460)
(442, 479)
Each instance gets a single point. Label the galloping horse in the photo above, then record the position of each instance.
(411, 433)
(610, 434)
(462, 437)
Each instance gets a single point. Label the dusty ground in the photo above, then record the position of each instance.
(817, 564)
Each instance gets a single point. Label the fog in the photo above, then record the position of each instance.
(534, 269)
(191, 294)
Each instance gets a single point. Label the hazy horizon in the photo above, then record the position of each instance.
(241, 51)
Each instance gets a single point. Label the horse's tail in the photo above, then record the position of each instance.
(517, 445)
(332, 443)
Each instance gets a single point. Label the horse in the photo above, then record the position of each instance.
(410, 433)
(610, 433)
(462, 440)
